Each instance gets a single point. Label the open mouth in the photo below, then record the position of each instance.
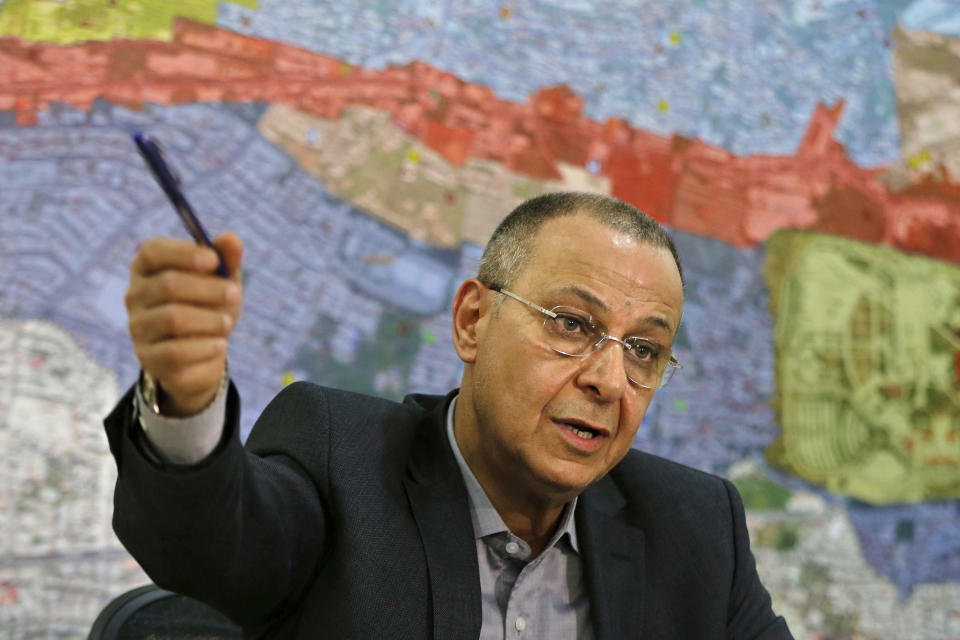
(586, 433)
(581, 430)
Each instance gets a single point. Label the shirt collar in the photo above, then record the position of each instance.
(486, 520)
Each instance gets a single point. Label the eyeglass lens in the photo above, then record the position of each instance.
(574, 333)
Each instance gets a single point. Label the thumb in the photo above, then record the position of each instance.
(231, 248)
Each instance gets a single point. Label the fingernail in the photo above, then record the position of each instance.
(221, 344)
(227, 322)
(232, 293)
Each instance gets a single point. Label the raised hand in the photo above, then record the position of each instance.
(180, 315)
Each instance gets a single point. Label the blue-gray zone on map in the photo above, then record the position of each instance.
(941, 16)
(910, 544)
(745, 75)
(334, 296)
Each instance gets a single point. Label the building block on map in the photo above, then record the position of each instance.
(453, 143)
(645, 180)
(557, 104)
(851, 212)
(25, 110)
(818, 139)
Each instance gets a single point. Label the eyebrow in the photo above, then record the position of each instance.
(590, 298)
(584, 295)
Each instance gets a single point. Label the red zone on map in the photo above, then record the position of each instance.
(683, 182)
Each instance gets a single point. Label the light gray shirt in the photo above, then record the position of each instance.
(542, 599)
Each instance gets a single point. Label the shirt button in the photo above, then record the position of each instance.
(512, 548)
(520, 624)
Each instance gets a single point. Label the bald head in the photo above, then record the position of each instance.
(510, 248)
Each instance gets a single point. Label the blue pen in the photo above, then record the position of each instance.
(170, 183)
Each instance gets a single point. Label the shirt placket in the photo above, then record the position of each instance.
(519, 611)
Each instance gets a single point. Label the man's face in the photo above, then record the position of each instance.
(529, 401)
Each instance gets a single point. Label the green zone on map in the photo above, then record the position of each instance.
(69, 21)
(868, 360)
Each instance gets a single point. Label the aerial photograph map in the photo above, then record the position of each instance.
(803, 154)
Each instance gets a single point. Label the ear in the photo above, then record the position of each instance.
(470, 309)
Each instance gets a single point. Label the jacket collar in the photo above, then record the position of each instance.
(613, 554)
(438, 499)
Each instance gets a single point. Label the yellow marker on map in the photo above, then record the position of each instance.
(919, 159)
(505, 12)
(663, 106)
(675, 38)
(288, 378)
(413, 156)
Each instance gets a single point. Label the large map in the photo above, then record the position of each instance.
(804, 154)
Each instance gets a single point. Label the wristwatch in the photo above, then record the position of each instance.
(150, 390)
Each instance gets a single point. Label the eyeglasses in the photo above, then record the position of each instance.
(572, 332)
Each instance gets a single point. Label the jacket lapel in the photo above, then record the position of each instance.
(613, 553)
(440, 506)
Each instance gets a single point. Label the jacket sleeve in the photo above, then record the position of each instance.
(241, 532)
(750, 616)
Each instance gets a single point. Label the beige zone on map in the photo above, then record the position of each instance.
(867, 341)
(927, 83)
(364, 158)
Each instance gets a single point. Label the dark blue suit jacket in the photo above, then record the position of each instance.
(346, 516)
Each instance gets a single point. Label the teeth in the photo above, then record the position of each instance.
(586, 435)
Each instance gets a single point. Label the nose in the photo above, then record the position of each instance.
(603, 371)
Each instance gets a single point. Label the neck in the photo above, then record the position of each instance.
(537, 530)
(530, 515)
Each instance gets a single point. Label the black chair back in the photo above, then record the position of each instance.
(157, 614)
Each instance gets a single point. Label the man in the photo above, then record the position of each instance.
(514, 507)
